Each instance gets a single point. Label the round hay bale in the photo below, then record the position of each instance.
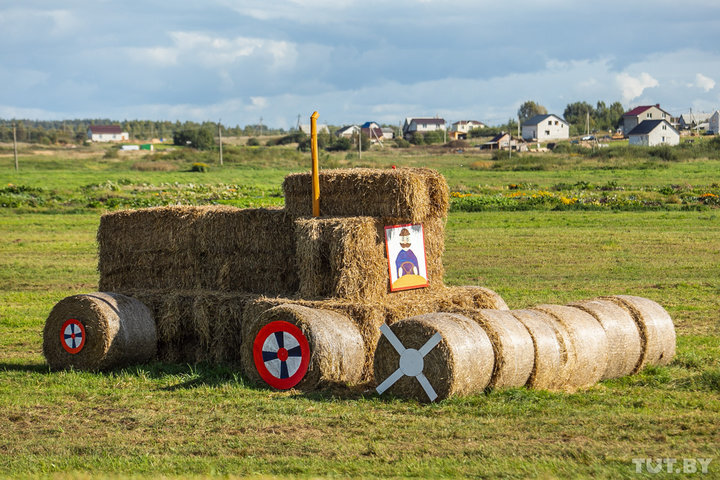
(460, 364)
(588, 344)
(657, 332)
(624, 347)
(513, 347)
(99, 331)
(293, 346)
(548, 352)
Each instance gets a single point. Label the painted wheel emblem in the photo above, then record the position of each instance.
(281, 354)
(72, 336)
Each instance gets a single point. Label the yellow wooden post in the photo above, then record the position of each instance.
(315, 170)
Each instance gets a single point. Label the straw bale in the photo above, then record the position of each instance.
(340, 257)
(346, 257)
(588, 344)
(119, 331)
(657, 332)
(548, 353)
(413, 193)
(337, 350)
(512, 344)
(188, 248)
(471, 297)
(624, 347)
(461, 364)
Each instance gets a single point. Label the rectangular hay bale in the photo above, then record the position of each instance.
(412, 193)
(187, 248)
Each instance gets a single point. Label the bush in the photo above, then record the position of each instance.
(401, 143)
(253, 142)
(202, 139)
(199, 167)
(112, 152)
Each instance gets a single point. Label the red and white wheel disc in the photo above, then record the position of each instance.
(282, 354)
(72, 336)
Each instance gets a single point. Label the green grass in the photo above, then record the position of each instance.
(207, 421)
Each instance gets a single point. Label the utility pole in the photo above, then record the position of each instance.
(359, 143)
(17, 167)
(587, 123)
(220, 140)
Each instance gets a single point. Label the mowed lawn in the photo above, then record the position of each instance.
(181, 420)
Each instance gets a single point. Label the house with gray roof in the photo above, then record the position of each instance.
(650, 133)
(543, 128)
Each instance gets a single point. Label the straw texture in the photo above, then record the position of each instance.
(197, 248)
(624, 346)
(461, 364)
(512, 344)
(415, 194)
(588, 344)
(548, 367)
(119, 331)
(657, 332)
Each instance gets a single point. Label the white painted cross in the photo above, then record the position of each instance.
(411, 362)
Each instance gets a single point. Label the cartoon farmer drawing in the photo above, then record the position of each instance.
(407, 267)
(406, 262)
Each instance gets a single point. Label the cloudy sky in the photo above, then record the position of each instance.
(353, 61)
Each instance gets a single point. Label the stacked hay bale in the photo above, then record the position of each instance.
(209, 273)
(198, 248)
(548, 347)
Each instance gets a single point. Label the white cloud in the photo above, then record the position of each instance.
(704, 83)
(632, 87)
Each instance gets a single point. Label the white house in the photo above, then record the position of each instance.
(347, 131)
(464, 126)
(714, 123)
(634, 117)
(107, 133)
(422, 125)
(654, 132)
(542, 128)
(305, 128)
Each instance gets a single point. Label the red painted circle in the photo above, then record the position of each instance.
(69, 333)
(278, 366)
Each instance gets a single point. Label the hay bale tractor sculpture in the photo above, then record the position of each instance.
(355, 296)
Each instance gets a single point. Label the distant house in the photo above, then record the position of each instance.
(714, 123)
(632, 118)
(459, 130)
(422, 125)
(305, 128)
(373, 131)
(347, 131)
(688, 121)
(500, 141)
(542, 128)
(654, 132)
(388, 133)
(107, 133)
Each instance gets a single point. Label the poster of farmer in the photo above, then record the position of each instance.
(405, 245)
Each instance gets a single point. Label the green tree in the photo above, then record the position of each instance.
(576, 114)
(529, 109)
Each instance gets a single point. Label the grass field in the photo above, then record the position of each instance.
(206, 421)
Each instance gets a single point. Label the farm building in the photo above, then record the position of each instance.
(422, 125)
(688, 121)
(373, 131)
(634, 117)
(542, 128)
(714, 123)
(305, 128)
(107, 133)
(347, 131)
(459, 130)
(654, 132)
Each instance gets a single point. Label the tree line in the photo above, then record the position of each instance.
(75, 131)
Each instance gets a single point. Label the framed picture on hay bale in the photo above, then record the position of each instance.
(405, 245)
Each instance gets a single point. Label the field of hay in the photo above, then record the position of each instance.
(198, 420)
